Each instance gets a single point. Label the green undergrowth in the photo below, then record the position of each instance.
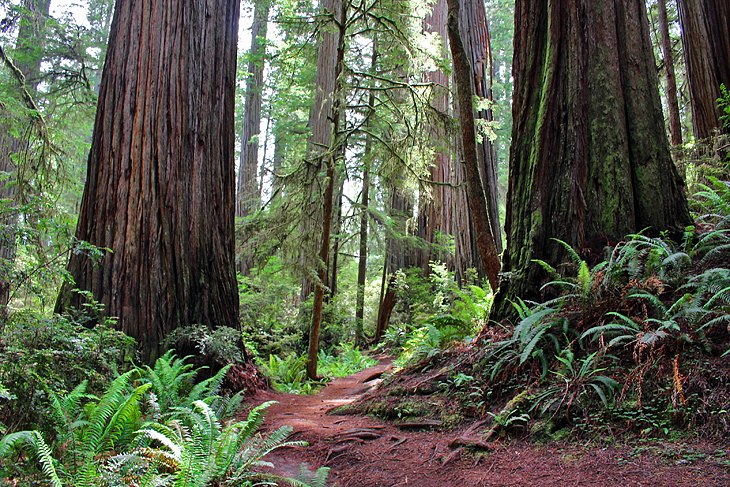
(76, 412)
(289, 374)
(439, 315)
(637, 344)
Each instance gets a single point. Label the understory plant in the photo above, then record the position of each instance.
(152, 426)
(646, 331)
(288, 374)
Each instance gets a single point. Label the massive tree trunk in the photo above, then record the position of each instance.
(675, 126)
(248, 195)
(327, 156)
(160, 185)
(706, 41)
(590, 160)
(28, 54)
(478, 208)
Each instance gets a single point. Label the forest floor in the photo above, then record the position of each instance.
(364, 451)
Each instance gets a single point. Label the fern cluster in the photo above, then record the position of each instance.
(623, 331)
(153, 426)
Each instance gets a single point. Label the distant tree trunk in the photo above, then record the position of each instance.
(327, 121)
(362, 262)
(336, 231)
(474, 33)
(387, 303)
(8, 215)
(706, 41)
(478, 208)
(160, 191)
(276, 178)
(590, 160)
(675, 125)
(248, 197)
(29, 54)
(320, 140)
(398, 254)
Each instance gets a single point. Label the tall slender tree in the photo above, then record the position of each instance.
(675, 125)
(325, 119)
(590, 160)
(447, 214)
(475, 36)
(476, 177)
(248, 195)
(160, 184)
(706, 41)
(26, 71)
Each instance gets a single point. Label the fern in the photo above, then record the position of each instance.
(172, 381)
(34, 442)
(201, 451)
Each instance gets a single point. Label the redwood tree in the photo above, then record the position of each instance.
(324, 122)
(590, 160)
(706, 41)
(675, 125)
(475, 177)
(248, 197)
(448, 213)
(160, 183)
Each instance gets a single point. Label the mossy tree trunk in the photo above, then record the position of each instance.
(706, 41)
(160, 190)
(474, 30)
(319, 145)
(589, 161)
(447, 213)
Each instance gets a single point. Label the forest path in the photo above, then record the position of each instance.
(366, 452)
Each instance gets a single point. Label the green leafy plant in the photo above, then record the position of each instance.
(40, 354)
(194, 449)
(173, 382)
(85, 434)
(577, 377)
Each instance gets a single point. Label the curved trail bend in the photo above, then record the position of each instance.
(365, 452)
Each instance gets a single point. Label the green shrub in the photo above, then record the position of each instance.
(39, 354)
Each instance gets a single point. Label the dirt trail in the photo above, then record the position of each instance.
(363, 451)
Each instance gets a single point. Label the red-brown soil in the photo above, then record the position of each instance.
(363, 451)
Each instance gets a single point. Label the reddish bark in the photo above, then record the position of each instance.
(478, 208)
(161, 181)
(248, 195)
(706, 41)
(590, 160)
(675, 126)
(327, 156)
